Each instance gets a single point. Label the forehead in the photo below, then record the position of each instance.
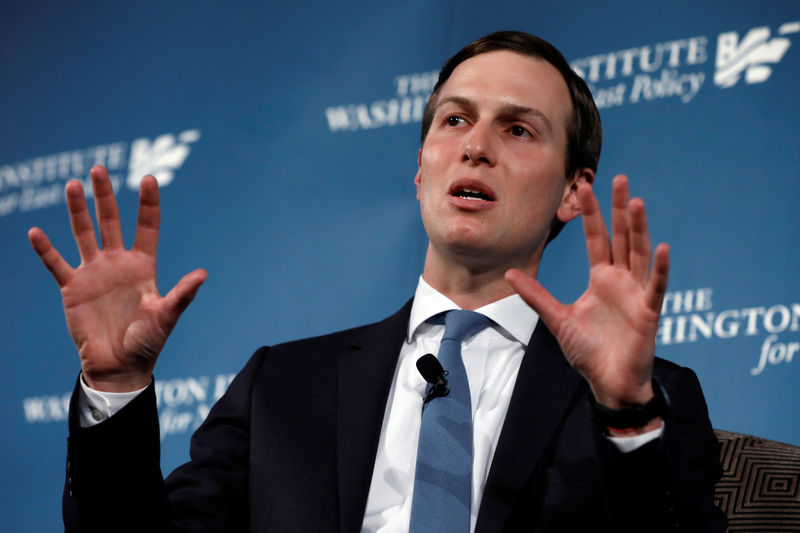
(504, 78)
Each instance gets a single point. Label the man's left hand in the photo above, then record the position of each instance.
(608, 334)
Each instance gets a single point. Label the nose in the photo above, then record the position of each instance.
(479, 145)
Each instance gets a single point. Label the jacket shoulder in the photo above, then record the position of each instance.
(345, 339)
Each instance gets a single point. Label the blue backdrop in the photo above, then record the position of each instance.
(285, 140)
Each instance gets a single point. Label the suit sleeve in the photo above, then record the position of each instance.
(668, 484)
(114, 480)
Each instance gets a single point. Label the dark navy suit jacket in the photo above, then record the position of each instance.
(291, 448)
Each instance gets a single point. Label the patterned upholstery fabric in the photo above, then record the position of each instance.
(760, 485)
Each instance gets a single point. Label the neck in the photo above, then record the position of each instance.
(473, 286)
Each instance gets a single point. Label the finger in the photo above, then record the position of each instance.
(182, 295)
(105, 206)
(657, 286)
(82, 228)
(640, 242)
(59, 268)
(620, 244)
(149, 218)
(549, 309)
(597, 245)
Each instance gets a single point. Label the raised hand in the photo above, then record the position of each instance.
(114, 312)
(608, 334)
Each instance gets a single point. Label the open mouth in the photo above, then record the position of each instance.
(471, 189)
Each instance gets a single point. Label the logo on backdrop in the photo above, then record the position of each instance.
(688, 316)
(39, 182)
(676, 69)
(752, 55)
(183, 403)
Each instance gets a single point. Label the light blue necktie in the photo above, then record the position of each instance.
(443, 479)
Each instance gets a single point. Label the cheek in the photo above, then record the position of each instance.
(539, 194)
(439, 149)
(431, 173)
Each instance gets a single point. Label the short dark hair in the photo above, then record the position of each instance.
(584, 132)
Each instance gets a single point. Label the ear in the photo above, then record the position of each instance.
(417, 178)
(570, 207)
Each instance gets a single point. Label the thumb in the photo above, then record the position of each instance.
(182, 294)
(549, 309)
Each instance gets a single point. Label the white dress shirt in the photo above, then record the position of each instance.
(491, 357)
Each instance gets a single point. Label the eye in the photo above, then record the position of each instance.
(519, 131)
(454, 120)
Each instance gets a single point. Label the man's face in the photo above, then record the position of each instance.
(491, 170)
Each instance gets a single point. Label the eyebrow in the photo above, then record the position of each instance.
(506, 110)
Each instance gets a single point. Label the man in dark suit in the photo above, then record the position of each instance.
(572, 430)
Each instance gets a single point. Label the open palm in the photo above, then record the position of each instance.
(114, 312)
(608, 334)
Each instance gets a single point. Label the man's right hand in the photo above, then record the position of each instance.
(115, 314)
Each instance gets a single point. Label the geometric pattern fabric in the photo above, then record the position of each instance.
(760, 485)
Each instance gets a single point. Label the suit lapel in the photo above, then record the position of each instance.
(545, 387)
(365, 377)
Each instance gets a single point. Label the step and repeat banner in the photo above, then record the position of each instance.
(284, 137)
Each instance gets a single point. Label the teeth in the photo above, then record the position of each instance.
(471, 194)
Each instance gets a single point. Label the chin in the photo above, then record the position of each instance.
(473, 252)
(468, 240)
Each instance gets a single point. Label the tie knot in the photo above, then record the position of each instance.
(460, 324)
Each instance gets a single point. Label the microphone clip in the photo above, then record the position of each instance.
(431, 370)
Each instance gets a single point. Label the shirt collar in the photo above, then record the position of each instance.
(510, 313)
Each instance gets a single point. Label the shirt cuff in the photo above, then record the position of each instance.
(95, 406)
(628, 444)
